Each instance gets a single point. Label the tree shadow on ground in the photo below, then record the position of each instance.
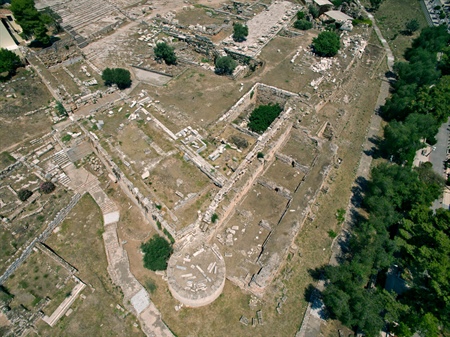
(314, 297)
(358, 193)
(374, 151)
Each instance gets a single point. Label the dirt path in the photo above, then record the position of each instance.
(312, 320)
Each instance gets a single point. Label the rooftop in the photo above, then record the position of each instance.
(338, 16)
(323, 3)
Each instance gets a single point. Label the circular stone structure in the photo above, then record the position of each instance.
(196, 274)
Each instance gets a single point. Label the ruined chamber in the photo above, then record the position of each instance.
(196, 274)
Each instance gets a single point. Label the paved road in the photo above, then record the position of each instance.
(438, 156)
(426, 13)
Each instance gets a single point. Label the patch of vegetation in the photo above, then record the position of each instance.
(171, 239)
(225, 65)
(260, 155)
(66, 138)
(326, 44)
(401, 228)
(24, 194)
(261, 117)
(33, 23)
(332, 234)
(421, 97)
(314, 11)
(340, 215)
(240, 32)
(300, 15)
(356, 22)
(240, 142)
(6, 159)
(47, 187)
(375, 4)
(303, 24)
(9, 62)
(60, 109)
(158, 224)
(214, 218)
(165, 52)
(118, 76)
(156, 253)
(412, 26)
(151, 286)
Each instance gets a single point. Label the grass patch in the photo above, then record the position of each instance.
(261, 117)
(392, 17)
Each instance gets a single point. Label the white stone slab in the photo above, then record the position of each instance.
(111, 218)
(140, 301)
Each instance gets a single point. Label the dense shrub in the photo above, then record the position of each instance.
(240, 32)
(47, 187)
(225, 65)
(120, 77)
(24, 194)
(165, 52)
(261, 118)
(156, 253)
(326, 44)
(303, 24)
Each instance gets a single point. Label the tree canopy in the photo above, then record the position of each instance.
(120, 77)
(412, 26)
(401, 230)
(32, 22)
(261, 117)
(326, 44)
(240, 32)
(156, 253)
(9, 61)
(302, 24)
(225, 65)
(24, 194)
(165, 52)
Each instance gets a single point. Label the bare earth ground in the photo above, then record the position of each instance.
(221, 318)
(80, 242)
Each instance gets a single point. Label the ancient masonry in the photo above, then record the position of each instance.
(119, 268)
(60, 216)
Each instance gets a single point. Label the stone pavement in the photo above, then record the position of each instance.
(118, 263)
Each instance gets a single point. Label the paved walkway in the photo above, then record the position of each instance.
(118, 263)
(437, 158)
(312, 320)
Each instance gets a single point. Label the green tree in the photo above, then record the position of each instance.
(412, 26)
(300, 15)
(314, 11)
(26, 15)
(9, 61)
(444, 63)
(120, 77)
(60, 109)
(326, 44)
(47, 187)
(434, 100)
(32, 22)
(225, 65)
(24, 194)
(165, 52)
(303, 24)
(240, 32)
(375, 4)
(261, 117)
(156, 253)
